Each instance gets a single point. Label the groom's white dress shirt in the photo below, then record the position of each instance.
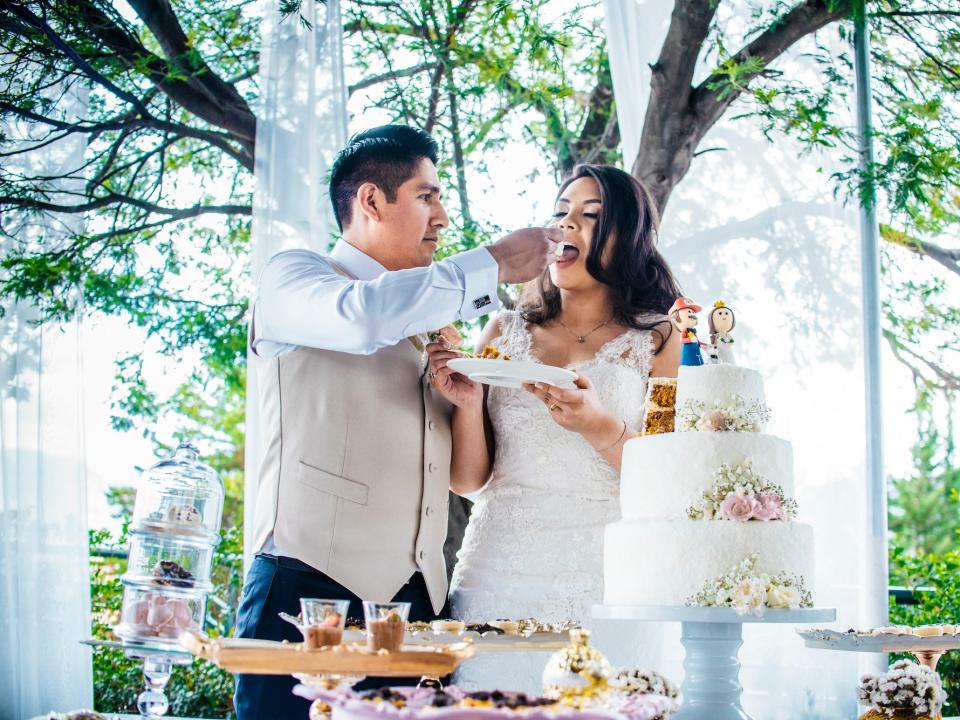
(355, 476)
(305, 302)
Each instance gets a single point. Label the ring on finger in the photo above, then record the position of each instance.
(554, 406)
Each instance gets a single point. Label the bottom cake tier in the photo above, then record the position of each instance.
(666, 562)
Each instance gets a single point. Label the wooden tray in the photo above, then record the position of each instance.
(267, 657)
(487, 642)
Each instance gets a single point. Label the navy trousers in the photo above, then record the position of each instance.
(276, 584)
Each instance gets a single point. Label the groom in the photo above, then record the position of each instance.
(352, 499)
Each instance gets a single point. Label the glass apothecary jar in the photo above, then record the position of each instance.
(175, 528)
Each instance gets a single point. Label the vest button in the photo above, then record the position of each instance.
(427, 510)
(431, 425)
(421, 555)
(431, 467)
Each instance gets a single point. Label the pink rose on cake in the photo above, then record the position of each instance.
(769, 507)
(739, 507)
(717, 421)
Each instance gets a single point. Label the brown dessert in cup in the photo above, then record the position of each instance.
(386, 624)
(321, 622)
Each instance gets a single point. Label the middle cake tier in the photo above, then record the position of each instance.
(665, 562)
(663, 475)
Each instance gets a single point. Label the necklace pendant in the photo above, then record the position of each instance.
(581, 339)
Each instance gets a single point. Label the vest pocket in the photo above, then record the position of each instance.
(324, 481)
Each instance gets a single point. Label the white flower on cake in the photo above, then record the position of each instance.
(740, 493)
(749, 595)
(734, 415)
(783, 596)
(749, 591)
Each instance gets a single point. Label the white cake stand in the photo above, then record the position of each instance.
(711, 640)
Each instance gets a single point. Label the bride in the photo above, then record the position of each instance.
(542, 465)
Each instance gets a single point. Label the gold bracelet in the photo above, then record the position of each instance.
(617, 441)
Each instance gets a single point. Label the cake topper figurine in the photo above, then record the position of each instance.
(721, 321)
(683, 312)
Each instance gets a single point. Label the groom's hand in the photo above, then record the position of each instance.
(523, 254)
(457, 388)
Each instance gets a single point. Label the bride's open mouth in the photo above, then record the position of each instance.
(567, 253)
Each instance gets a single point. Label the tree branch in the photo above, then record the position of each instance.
(127, 122)
(947, 379)
(600, 131)
(235, 118)
(163, 23)
(113, 198)
(711, 101)
(435, 78)
(34, 21)
(950, 259)
(406, 72)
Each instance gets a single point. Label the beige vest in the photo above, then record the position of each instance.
(356, 472)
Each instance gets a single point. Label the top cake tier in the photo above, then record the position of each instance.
(720, 397)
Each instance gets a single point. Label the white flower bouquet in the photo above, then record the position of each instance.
(905, 690)
(749, 591)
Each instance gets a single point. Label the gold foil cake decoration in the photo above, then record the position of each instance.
(578, 673)
(659, 406)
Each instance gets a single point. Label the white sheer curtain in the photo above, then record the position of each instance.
(301, 124)
(44, 569)
(757, 225)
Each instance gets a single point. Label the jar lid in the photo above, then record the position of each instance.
(185, 469)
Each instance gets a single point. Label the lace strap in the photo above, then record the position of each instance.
(514, 337)
(633, 348)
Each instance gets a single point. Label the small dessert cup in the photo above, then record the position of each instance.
(386, 623)
(456, 627)
(321, 621)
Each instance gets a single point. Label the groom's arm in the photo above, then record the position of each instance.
(304, 301)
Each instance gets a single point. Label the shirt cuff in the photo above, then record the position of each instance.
(480, 274)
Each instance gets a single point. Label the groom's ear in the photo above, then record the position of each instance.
(369, 197)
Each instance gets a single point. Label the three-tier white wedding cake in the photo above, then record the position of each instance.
(708, 511)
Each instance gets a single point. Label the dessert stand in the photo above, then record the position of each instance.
(174, 531)
(158, 663)
(926, 649)
(711, 638)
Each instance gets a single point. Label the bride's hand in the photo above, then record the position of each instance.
(457, 388)
(578, 410)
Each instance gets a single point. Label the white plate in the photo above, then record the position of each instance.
(511, 373)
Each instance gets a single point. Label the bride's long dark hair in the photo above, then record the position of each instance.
(642, 286)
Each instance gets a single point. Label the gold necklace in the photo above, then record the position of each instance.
(583, 338)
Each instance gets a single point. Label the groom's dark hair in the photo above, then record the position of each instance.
(387, 156)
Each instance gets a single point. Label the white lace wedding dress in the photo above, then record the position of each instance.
(534, 543)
